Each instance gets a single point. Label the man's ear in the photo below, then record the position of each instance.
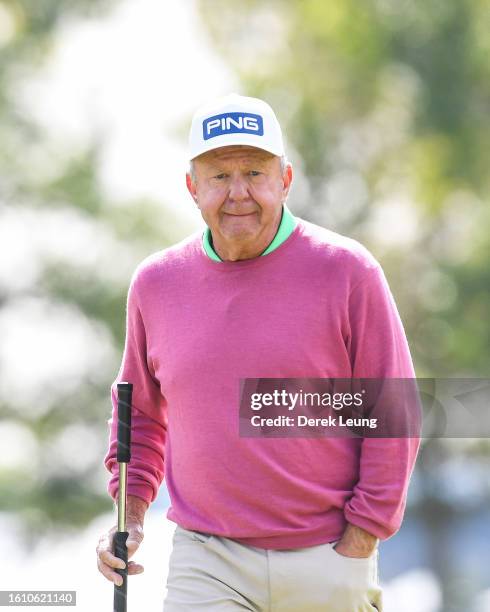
(287, 179)
(191, 187)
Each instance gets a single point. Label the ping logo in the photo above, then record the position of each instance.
(232, 123)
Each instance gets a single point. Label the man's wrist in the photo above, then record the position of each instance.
(136, 508)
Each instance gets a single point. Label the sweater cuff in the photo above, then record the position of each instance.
(141, 490)
(382, 532)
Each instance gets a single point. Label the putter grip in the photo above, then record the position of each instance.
(124, 399)
(121, 551)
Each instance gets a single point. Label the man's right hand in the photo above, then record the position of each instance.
(107, 561)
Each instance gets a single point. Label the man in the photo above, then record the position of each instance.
(286, 524)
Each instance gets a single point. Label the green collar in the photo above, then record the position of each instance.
(286, 227)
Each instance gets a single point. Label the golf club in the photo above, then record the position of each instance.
(124, 398)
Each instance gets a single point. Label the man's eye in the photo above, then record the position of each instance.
(255, 172)
(220, 176)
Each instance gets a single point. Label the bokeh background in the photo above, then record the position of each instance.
(385, 107)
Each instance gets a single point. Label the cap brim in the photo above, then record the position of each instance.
(236, 142)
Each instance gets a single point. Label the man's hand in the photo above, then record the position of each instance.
(356, 542)
(106, 560)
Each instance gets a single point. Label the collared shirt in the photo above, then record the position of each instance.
(286, 228)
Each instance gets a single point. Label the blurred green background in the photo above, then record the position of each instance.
(385, 109)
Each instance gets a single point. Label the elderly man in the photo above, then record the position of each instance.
(286, 524)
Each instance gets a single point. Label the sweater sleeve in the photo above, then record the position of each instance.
(379, 349)
(148, 412)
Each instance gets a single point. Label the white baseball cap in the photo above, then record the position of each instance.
(235, 120)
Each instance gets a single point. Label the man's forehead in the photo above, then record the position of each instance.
(232, 153)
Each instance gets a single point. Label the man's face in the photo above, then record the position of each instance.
(240, 191)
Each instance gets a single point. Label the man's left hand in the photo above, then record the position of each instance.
(356, 542)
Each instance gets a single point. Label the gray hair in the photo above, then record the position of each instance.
(192, 171)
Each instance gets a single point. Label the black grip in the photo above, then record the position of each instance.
(121, 552)
(124, 399)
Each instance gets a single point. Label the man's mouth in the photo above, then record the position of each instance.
(241, 214)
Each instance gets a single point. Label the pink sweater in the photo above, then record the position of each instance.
(317, 306)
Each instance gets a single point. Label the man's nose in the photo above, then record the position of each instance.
(238, 188)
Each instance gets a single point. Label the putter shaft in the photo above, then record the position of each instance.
(121, 500)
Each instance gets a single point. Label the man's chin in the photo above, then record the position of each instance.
(241, 236)
(240, 230)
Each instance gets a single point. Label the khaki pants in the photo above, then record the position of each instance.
(215, 574)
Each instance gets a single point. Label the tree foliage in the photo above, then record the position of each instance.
(385, 108)
(57, 478)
